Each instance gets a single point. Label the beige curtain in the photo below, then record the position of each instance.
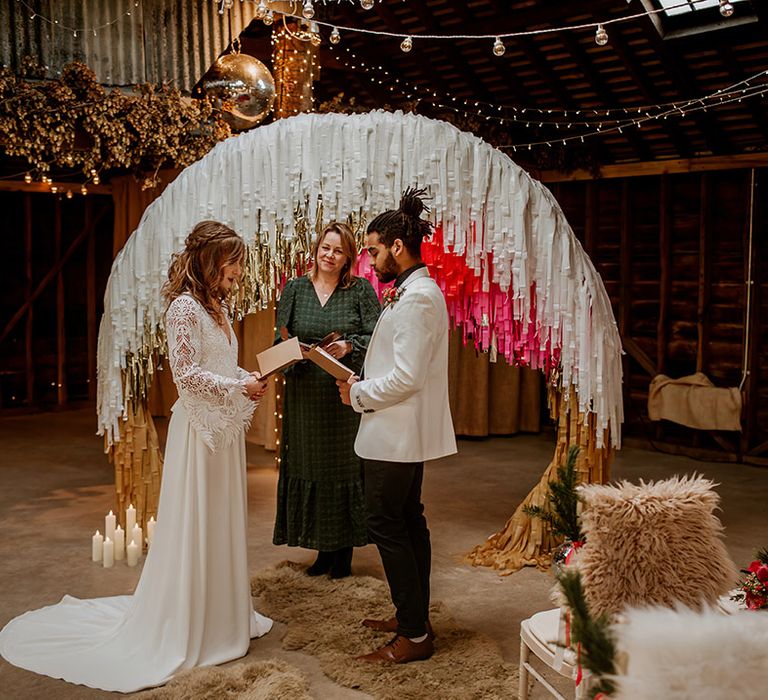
(491, 398)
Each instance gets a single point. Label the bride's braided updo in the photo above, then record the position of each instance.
(197, 269)
(405, 222)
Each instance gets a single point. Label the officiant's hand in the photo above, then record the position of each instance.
(339, 348)
(344, 388)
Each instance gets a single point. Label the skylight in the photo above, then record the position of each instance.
(676, 18)
(680, 7)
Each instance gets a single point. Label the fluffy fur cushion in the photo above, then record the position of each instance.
(685, 655)
(653, 543)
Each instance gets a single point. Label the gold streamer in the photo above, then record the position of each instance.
(138, 465)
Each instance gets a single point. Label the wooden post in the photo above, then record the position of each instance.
(625, 283)
(758, 219)
(29, 338)
(91, 297)
(61, 332)
(665, 283)
(702, 312)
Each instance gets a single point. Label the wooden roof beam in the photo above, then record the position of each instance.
(602, 88)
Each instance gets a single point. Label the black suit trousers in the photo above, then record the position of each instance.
(397, 526)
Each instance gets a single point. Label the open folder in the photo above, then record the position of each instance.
(288, 352)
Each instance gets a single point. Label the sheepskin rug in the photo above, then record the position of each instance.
(653, 543)
(687, 655)
(324, 616)
(258, 680)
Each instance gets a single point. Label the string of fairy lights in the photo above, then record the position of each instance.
(598, 121)
(266, 12)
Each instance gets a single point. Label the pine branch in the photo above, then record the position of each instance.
(562, 513)
(598, 649)
(762, 556)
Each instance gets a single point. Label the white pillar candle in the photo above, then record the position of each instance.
(132, 553)
(109, 553)
(109, 526)
(97, 546)
(119, 543)
(150, 530)
(136, 536)
(130, 519)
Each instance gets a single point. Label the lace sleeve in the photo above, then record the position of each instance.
(184, 334)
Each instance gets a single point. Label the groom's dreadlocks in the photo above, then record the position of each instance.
(405, 222)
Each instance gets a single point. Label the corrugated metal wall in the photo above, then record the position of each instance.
(161, 40)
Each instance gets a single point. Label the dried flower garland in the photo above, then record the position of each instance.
(75, 123)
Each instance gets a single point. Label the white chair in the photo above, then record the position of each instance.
(543, 634)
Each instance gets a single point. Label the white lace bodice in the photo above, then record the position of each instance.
(204, 364)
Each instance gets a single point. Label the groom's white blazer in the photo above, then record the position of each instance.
(404, 394)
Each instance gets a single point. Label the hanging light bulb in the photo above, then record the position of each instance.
(498, 47)
(726, 8)
(335, 37)
(28, 178)
(316, 39)
(269, 17)
(69, 194)
(601, 36)
(54, 189)
(308, 11)
(96, 179)
(83, 190)
(261, 10)
(228, 4)
(406, 44)
(366, 4)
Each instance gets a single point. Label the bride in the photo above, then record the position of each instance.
(192, 605)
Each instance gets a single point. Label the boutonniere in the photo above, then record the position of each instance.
(391, 295)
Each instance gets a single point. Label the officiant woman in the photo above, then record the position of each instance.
(320, 503)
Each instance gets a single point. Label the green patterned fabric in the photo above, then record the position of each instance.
(320, 503)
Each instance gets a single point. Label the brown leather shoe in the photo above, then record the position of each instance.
(400, 650)
(390, 625)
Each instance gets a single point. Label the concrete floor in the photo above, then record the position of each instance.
(56, 485)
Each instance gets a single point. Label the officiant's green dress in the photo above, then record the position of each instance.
(320, 503)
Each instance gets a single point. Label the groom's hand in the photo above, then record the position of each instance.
(344, 388)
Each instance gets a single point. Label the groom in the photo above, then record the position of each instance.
(406, 420)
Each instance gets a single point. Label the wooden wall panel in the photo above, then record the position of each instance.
(683, 274)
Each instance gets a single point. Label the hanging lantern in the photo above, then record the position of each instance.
(242, 87)
(406, 44)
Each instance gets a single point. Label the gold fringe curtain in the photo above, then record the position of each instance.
(527, 541)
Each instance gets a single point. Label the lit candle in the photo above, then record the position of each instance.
(97, 546)
(109, 526)
(119, 543)
(109, 553)
(130, 519)
(132, 553)
(150, 530)
(136, 535)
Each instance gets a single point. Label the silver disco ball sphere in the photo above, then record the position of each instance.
(242, 87)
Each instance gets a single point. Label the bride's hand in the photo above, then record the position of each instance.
(255, 386)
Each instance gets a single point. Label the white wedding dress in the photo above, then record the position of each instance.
(192, 605)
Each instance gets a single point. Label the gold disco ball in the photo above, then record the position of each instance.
(242, 87)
